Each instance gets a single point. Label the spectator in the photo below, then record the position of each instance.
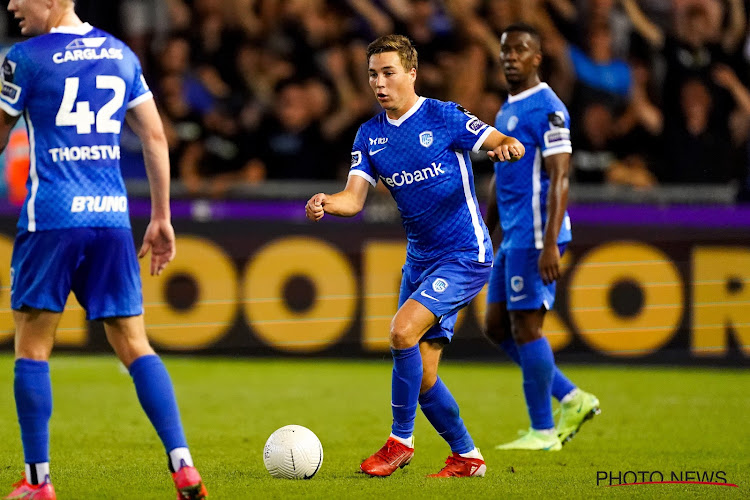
(697, 143)
(290, 142)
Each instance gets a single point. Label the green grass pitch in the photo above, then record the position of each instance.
(653, 419)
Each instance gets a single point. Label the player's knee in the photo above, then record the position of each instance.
(495, 329)
(523, 333)
(402, 337)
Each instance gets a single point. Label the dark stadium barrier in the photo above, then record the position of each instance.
(640, 285)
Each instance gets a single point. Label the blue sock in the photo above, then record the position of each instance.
(155, 392)
(538, 368)
(33, 390)
(441, 410)
(511, 349)
(561, 386)
(407, 379)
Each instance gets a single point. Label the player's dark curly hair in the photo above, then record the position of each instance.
(395, 43)
(524, 28)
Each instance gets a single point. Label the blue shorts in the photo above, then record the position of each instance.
(98, 264)
(443, 288)
(515, 279)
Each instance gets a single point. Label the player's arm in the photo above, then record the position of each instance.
(346, 203)
(145, 121)
(501, 147)
(558, 167)
(7, 122)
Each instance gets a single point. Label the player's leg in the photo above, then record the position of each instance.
(41, 272)
(441, 410)
(409, 324)
(107, 283)
(438, 404)
(32, 387)
(497, 319)
(528, 299)
(537, 367)
(127, 336)
(497, 327)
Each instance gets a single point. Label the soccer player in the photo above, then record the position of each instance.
(419, 148)
(76, 85)
(527, 264)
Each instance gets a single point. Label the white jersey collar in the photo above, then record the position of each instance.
(73, 30)
(406, 115)
(526, 93)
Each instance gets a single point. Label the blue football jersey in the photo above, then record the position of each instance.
(539, 119)
(423, 159)
(74, 86)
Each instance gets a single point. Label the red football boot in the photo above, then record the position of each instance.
(24, 490)
(189, 483)
(458, 466)
(391, 456)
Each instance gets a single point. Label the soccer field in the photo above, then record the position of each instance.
(690, 422)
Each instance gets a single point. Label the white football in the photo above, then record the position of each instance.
(293, 452)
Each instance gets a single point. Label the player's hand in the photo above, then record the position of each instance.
(159, 238)
(314, 208)
(549, 264)
(510, 150)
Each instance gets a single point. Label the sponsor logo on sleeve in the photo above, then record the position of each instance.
(556, 119)
(9, 70)
(356, 158)
(475, 125)
(10, 91)
(556, 138)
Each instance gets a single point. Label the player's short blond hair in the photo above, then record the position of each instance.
(395, 43)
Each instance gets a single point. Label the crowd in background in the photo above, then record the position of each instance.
(252, 90)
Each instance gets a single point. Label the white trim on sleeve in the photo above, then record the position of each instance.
(140, 99)
(364, 175)
(557, 151)
(9, 109)
(482, 138)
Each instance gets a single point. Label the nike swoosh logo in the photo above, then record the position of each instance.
(425, 294)
(373, 153)
(397, 406)
(518, 297)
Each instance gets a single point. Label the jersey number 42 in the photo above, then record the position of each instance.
(83, 118)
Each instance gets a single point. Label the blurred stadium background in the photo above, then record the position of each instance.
(262, 98)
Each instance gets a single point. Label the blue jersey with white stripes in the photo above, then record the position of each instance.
(74, 86)
(539, 119)
(423, 159)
